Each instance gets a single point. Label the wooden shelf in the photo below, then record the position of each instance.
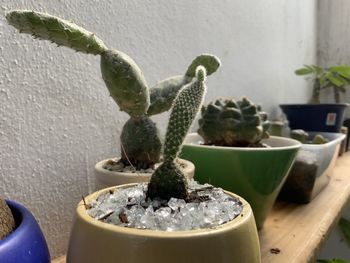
(295, 233)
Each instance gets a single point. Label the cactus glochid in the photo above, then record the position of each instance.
(123, 78)
(226, 122)
(168, 180)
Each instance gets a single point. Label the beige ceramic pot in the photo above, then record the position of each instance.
(106, 178)
(92, 241)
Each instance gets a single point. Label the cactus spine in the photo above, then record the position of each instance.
(233, 123)
(123, 78)
(168, 180)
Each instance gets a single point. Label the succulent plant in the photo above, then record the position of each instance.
(123, 78)
(335, 77)
(7, 222)
(226, 122)
(302, 136)
(168, 180)
(319, 139)
(299, 135)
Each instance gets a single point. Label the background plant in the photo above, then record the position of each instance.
(140, 140)
(335, 77)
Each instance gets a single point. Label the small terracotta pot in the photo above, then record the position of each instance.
(92, 241)
(105, 178)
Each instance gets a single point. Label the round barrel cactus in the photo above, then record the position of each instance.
(227, 122)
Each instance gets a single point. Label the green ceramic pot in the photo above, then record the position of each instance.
(256, 174)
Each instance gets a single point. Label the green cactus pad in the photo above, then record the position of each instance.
(141, 143)
(233, 123)
(164, 92)
(125, 82)
(210, 62)
(168, 180)
(57, 30)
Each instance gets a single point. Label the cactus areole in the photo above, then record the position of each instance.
(226, 122)
(123, 78)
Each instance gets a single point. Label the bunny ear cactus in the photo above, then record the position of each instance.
(168, 180)
(123, 78)
(227, 122)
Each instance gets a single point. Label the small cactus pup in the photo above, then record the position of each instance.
(299, 135)
(227, 122)
(168, 180)
(303, 137)
(7, 222)
(123, 78)
(276, 128)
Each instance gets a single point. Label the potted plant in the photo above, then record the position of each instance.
(232, 150)
(139, 140)
(316, 116)
(93, 240)
(21, 239)
(313, 166)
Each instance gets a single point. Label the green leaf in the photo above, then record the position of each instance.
(342, 70)
(336, 81)
(317, 69)
(344, 226)
(304, 71)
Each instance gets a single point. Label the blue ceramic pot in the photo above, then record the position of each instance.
(26, 244)
(315, 117)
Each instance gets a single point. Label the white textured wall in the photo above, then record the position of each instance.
(332, 49)
(56, 119)
(333, 39)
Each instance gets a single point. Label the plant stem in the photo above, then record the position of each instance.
(336, 95)
(315, 92)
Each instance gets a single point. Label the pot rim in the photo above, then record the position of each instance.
(308, 105)
(193, 140)
(236, 222)
(22, 221)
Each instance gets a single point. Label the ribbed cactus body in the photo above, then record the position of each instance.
(57, 30)
(168, 180)
(141, 143)
(125, 82)
(233, 123)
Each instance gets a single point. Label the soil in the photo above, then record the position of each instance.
(253, 145)
(116, 165)
(301, 179)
